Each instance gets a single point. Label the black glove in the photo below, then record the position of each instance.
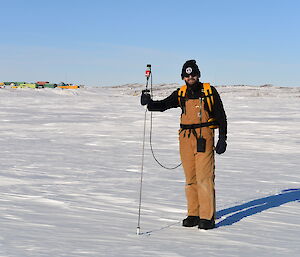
(221, 145)
(145, 97)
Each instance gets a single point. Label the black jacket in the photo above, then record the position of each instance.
(194, 92)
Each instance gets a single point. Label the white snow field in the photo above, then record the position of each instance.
(70, 174)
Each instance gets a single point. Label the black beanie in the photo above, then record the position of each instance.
(190, 68)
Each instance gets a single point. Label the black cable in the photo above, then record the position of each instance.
(151, 128)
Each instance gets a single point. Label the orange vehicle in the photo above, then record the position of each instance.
(67, 86)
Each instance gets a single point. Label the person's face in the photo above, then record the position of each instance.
(191, 80)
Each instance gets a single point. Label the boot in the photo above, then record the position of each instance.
(191, 221)
(206, 224)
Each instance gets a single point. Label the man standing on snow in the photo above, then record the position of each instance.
(202, 111)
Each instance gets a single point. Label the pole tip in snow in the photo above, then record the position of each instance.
(138, 232)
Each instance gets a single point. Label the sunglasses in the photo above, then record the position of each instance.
(190, 75)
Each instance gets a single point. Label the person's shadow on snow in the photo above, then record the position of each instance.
(255, 206)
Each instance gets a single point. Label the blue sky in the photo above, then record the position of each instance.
(110, 42)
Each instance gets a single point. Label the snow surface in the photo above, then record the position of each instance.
(70, 171)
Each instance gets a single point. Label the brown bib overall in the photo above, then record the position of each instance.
(198, 166)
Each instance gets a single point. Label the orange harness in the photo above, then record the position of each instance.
(209, 98)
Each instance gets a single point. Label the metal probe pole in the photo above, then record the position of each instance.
(138, 229)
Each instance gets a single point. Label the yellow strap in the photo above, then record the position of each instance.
(208, 93)
(182, 92)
